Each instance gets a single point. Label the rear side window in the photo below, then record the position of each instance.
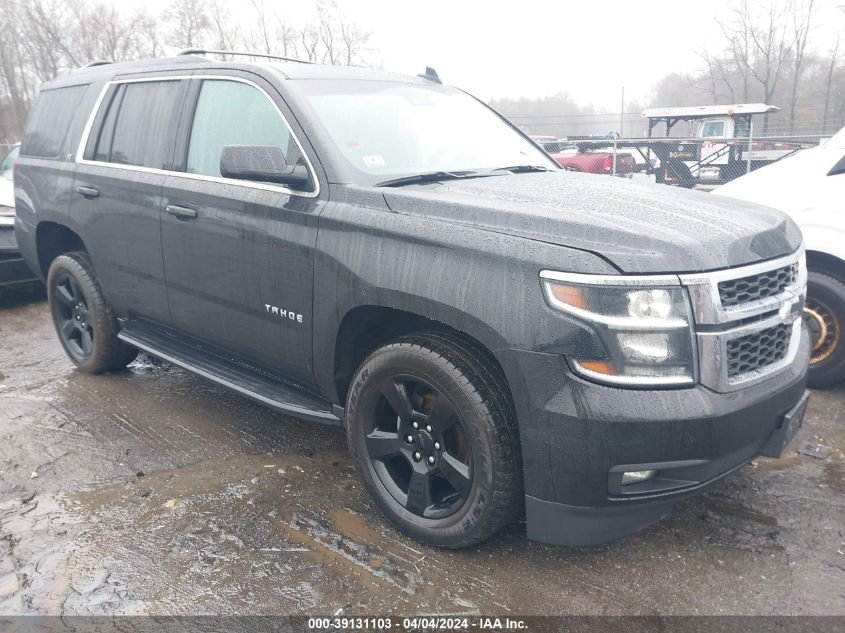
(234, 113)
(49, 121)
(136, 124)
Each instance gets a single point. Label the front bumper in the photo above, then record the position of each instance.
(578, 436)
(13, 269)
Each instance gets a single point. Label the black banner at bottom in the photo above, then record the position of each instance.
(424, 624)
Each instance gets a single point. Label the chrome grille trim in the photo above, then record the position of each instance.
(707, 304)
(716, 324)
(756, 287)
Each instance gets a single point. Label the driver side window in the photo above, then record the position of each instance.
(234, 113)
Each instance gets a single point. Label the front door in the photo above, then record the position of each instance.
(239, 255)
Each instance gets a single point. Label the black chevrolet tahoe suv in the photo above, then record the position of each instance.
(388, 254)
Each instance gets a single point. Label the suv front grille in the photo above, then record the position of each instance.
(758, 350)
(768, 284)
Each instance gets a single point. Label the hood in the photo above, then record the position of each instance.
(640, 227)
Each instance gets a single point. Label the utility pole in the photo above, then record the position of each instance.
(622, 115)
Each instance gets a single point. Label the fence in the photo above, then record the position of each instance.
(686, 162)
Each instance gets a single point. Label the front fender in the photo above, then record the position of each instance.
(482, 283)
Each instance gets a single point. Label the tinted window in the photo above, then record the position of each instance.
(100, 139)
(143, 131)
(49, 121)
(233, 113)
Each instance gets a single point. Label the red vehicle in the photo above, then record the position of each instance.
(588, 162)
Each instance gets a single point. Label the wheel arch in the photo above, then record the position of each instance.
(364, 328)
(827, 263)
(53, 239)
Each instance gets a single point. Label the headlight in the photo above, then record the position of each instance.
(644, 323)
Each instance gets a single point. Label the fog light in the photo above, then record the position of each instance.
(636, 476)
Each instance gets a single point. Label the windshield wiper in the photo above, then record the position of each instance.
(522, 169)
(433, 176)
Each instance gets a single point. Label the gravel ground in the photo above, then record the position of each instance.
(155, 491)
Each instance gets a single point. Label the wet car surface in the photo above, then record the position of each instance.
(156, 491)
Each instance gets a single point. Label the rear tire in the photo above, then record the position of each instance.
(455, 479)
(824, 314)
(86, 326)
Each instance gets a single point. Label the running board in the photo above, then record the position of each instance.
(249, 382)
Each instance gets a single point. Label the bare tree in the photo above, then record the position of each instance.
(736, 33)
(343, 41)
(326, 27)
(189, 20)
(710, 62)
(802, 20)
(759, 44)
(354, 41)
(309, 36)
(41, 39)
(831, 67)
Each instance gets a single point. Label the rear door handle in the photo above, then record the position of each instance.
(87, 192)
(182, 213)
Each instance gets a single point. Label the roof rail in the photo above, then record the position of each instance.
(98, 62)
(203, 51)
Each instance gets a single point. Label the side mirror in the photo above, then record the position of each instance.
(261, 163)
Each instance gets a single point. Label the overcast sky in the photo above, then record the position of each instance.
(588, 48)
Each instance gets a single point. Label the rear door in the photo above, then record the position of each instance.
(117, 190)
(239, 255)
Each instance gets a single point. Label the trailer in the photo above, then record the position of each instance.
(719, 144)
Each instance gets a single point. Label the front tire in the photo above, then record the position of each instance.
(823, 314)
(433, 435)
(85, 324)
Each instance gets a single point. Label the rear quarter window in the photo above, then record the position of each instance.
(49, 121)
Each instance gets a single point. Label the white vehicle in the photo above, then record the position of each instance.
(7, 189)
(810, 187)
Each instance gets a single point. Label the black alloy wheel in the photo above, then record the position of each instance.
(417, 447)
(432, 430)
(84, 322)
(72, 317)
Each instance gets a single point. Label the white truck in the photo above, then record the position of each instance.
(810, 187)
(716, 146)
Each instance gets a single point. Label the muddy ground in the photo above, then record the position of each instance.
(155, 491)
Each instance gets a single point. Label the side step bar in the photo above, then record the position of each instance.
(249, 382)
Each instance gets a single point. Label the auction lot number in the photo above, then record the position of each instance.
(423, 623)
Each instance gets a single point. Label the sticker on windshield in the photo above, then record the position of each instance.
(374, 160)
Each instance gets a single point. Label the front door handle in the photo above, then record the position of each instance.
(181, 213)
(87, 192)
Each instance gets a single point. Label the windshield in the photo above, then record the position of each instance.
(386, 130)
